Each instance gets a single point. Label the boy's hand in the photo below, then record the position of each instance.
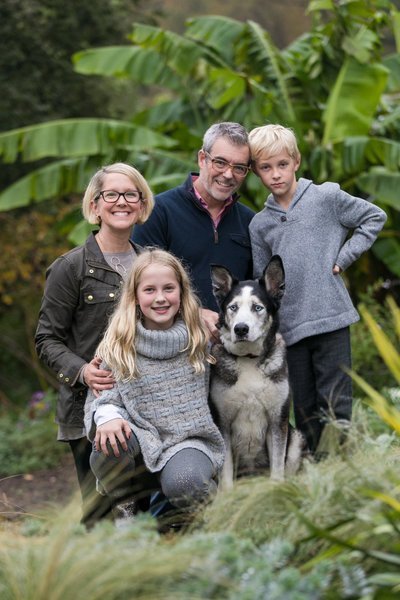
(336, 270)
(112, 431)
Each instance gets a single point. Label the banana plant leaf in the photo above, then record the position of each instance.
(142, 65)
(77, 137)
(382, 184)
(263, 52)
(353, 100)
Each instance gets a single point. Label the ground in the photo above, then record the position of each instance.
(32, 493)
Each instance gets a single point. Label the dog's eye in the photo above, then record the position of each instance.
(258, 307)
(233, 307)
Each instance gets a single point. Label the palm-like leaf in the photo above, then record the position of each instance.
(142, 65)
(77, 137)
(266, 58)
(354, 99)
(382, 184)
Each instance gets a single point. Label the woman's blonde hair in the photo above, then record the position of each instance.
(117, 348)
(95, 186)
(271, 140)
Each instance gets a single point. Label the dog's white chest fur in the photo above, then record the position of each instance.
(247, 408)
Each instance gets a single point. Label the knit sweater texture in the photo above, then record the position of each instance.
(323, 226)
(167, 405)
(180, 224)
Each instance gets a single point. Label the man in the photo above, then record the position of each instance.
(201, 221)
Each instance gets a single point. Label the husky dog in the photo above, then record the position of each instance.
(249, 382)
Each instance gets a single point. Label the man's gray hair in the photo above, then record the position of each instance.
(234, 132)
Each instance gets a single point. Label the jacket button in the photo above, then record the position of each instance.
(61, 375)
(66, 379)
(90, 297)
(111, 294)
(283, 219)
(91, 270)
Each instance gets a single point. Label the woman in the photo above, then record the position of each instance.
(80, 293)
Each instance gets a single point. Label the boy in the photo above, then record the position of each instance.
(308, 225)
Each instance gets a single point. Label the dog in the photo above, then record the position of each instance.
(249, 387)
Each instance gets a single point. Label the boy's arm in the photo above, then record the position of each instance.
(364, 218)
(260, 249)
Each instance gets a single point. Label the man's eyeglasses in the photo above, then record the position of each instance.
(111, 196)
(222, 165)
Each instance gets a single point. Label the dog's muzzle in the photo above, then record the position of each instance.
(241, 330)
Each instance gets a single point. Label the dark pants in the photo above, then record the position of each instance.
(94, 505)
(320, 388)
(186, 478)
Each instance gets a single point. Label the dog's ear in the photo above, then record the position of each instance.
(222, 281)
(274, 277)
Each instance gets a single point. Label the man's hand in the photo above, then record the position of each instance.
(210, 319)
(97, 379)
(116, 429)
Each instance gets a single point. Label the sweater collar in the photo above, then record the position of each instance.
(302, 185)
(161, 344)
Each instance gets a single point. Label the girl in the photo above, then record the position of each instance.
(80, 293)
(156, 417)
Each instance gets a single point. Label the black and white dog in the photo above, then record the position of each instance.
(249, 382)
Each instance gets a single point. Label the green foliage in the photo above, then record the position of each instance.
(261, 540)
(28, 440)
(366, 359)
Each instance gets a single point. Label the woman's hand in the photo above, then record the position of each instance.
(97, 379)
(111, 431)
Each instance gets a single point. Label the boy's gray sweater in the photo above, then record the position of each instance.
(311, 237)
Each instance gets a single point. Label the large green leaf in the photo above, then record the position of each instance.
(353, 101)
(182, 55)
(160, 168)
(139, 64)
(77, 137)
(51, 181)
(219, 33)
(265, 54)
(392, 63)
(382, 184)
(226, 86)
(388, 251)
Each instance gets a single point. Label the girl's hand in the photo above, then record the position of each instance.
(97, 379)
(111, 431)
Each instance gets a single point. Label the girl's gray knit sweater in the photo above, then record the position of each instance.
(166, 406)
(311, 237)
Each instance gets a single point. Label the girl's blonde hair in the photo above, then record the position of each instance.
(117, 348)
(271, 140)
(95, 186)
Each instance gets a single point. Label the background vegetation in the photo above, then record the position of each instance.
(144, 83)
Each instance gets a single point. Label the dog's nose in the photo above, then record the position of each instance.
(241, 329)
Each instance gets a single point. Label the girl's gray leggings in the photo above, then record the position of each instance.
(186, 479)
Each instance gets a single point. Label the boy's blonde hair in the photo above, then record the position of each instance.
(271, 140)
(117, 348)
(95, 186)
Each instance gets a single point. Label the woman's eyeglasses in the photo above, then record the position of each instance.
(111, 196)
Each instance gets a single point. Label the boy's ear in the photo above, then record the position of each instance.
(298, 162)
